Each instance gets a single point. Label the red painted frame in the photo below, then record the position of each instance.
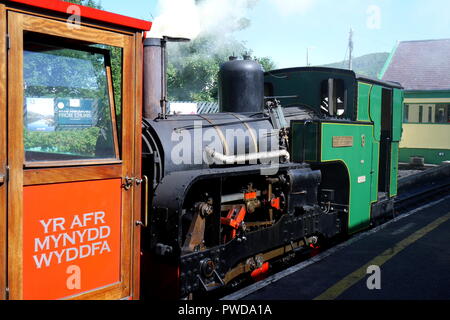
(89, 13)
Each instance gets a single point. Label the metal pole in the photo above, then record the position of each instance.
(350, 46)
(307, 57)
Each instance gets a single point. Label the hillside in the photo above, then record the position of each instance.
(368, 65)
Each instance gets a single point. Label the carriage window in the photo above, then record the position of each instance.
(448, 114)
(420, 114)
(406, 114)
(442, 113)
(68, 103)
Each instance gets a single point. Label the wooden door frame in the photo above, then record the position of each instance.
(17, 23)
(137, 156)
(3, 156)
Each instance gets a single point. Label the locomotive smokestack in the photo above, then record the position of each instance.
(154, 77)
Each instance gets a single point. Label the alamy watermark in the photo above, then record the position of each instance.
(74, 21)
(374, 280)
(211, 145)
(373, 17)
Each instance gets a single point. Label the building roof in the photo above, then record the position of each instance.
(87, 13)
(420, 65)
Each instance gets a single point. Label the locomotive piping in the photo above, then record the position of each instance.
(246, 157)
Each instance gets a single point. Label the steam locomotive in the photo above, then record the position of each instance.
(295, 156)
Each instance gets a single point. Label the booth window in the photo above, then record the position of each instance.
(69, 109)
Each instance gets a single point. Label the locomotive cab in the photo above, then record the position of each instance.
(353, 139)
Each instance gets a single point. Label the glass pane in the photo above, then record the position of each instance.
(448, 113)
(116, 72)
(67, 112)
(440, 114)
(406, 114)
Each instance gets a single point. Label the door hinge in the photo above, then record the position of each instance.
(8, 42)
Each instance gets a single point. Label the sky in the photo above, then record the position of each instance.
(285, 30)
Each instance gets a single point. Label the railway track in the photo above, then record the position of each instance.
(415, 191)
(422, 187)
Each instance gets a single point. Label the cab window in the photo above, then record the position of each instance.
(333, 98)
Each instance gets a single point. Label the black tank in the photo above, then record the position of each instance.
(241, 86)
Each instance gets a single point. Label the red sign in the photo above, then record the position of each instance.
(71, 238)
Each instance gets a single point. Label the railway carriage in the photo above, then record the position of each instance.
(426, 131)
(421, 66)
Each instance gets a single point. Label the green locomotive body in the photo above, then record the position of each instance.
(353, 141)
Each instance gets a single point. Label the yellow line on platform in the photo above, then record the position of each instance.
(341, 286)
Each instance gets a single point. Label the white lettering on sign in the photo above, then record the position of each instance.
(76, 103)
(72, 244)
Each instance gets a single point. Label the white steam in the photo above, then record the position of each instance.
(185, 18)
(179, 18)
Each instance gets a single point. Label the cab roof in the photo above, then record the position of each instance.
(87, 13)
(350, 73)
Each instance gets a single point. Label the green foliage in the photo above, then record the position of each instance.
(192, 71)
(193, 67)
(116, 57)
(67, 73)
(267, 63)
(79, 142)
(87, 3)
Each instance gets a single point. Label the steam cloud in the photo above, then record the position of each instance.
(190, 18)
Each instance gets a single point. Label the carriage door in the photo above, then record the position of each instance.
(70, 157)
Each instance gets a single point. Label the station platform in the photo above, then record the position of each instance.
(412, 253)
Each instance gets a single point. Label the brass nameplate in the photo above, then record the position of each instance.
(341, 142)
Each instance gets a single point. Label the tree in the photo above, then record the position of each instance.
(193, 67)
(267, 63)
(87, 3)
(116, 56)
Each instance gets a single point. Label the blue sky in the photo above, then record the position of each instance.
(284, 29)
